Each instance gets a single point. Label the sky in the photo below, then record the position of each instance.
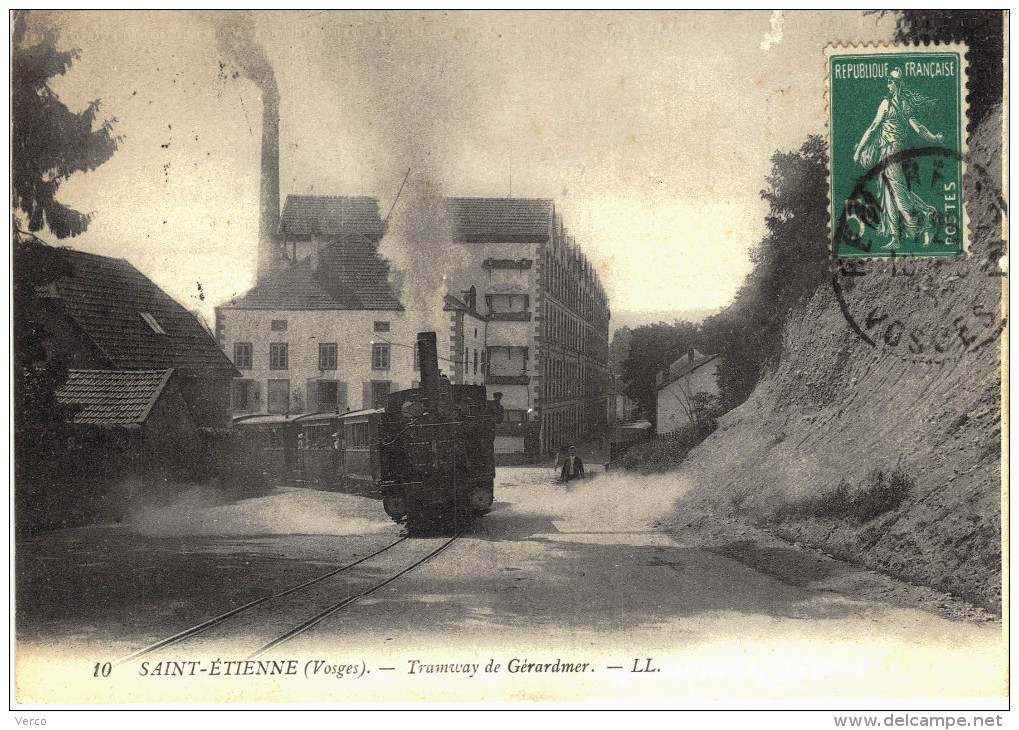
(652, 131)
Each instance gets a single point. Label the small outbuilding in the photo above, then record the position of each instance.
(685, 390)
(142, 411)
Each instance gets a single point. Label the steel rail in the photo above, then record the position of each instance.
(339, 605)
(198, 628)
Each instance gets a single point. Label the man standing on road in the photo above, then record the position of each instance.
(573, 467)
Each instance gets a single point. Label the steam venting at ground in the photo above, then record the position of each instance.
(604, 502)
(199, 510)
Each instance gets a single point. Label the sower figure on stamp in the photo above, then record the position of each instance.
(901, 209)
(573, 467)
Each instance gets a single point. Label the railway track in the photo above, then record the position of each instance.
(325, 602)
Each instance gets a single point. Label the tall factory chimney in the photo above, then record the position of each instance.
(236, 39)
(270, 247)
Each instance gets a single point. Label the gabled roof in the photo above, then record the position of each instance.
(350, 275)
(331, 215)
(500, 220)
(684, 366)
(107, 297)
(113, 397)
(451, 303)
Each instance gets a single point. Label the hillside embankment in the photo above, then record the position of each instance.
(877, 436)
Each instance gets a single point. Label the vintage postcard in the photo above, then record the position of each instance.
(510, 357)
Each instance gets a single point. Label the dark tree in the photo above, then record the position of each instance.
(653, 347)
(49, 143)
(981, 30)
(789, 264)
(619, 347)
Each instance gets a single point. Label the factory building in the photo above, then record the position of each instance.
(547, 321)
(324, 329)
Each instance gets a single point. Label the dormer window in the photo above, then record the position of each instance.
(151, 322)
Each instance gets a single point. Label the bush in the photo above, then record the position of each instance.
(664, 455)
(882, 492)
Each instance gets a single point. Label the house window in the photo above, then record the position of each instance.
(279, 325)
(152, 323)
(380, 393)
(475, 361)
(327, 356)
(417, 358)
(511, 415)
(279, 356)
(507, 302)
(380, 357)
(279, 396)
(382, 326)
(503, 360)
(242, 355)
(327, 395)
(243, 395)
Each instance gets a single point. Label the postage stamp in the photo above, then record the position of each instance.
(897, 137)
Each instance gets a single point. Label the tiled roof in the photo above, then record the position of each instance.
(113, 397)
(683, 367)
(350, 275)
(329, 215)
(499, 219)
(106, 298)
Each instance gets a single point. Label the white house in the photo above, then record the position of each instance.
(325, 331)
(688, 380)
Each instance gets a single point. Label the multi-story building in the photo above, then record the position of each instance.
(547, 320)
(324, 329)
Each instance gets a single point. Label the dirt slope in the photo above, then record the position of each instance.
(885, 452)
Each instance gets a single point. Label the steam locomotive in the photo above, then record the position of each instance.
(437, 448)
(430, 453)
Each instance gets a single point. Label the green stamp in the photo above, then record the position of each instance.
(897, 140)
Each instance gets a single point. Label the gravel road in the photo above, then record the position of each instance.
(559, 593)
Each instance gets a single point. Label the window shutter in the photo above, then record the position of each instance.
(393, 387)
(341, 397)
(366, 394)
(312, 393)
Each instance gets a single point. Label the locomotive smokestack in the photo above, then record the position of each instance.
(269, 199)
(428, 359)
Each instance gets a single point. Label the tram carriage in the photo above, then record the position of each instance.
(429, 454)
(335, 452)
